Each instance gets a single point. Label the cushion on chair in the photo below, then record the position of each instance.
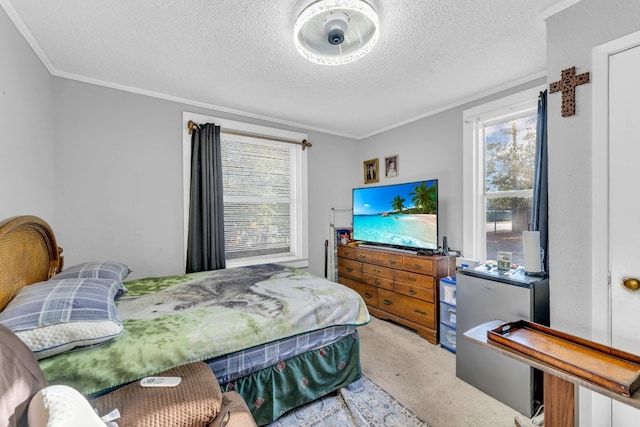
(194, 402)
(62, 406)
(234, 412)
(20, 379)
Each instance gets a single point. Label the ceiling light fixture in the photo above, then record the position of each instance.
(335, 32)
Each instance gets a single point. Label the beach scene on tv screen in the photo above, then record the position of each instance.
(400, 215)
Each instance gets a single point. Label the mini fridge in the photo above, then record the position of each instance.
(483, 296)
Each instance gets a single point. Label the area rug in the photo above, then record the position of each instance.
(361, 403)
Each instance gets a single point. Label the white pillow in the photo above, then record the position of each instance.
(62, 406)
(50, 340)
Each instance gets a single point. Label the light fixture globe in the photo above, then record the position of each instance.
(334, 32)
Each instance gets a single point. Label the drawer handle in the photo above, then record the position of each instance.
(349, 269)
(367, 295)
(417, 266)
(363, 256)
(424, 313)
(388, 302)
(375, 270)
(377, 282)
(413, 279)
(412, 292)
(392, 262)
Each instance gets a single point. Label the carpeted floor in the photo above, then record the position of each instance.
(403, 367)
(362, 403)
(423, 377)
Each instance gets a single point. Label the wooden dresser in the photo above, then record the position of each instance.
(397, 286)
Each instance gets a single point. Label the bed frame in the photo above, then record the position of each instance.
(28, 254)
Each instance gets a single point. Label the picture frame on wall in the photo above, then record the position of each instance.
(371, 171)
(391, 166)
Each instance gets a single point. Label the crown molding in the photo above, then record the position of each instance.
(460, 103)
(557, 8)
(22, 28)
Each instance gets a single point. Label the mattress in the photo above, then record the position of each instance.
(236, 318)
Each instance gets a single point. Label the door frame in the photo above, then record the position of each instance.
(601, 295)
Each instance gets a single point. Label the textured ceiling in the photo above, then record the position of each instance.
(239, 55)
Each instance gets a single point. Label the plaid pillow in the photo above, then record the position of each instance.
(102, 270)
(58, 315)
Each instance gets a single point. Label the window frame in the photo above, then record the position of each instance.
(299, 256)
(473, 192)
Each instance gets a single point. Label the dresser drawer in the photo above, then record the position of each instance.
(418, 265)
(349, 268)
(414, 279)
(384, 259)
(368, 293)
(377, 270)
(417, 311)
(414, 291)
(377, 281)
(399, 286)
(347, 252)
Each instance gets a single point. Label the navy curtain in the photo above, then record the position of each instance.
(205, 243)
(540, 211)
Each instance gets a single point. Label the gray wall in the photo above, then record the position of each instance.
(432, 148)
(571, 37)
(119, 186)
(26, 129)
(118, 159)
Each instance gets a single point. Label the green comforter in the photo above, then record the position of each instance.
(180, 319)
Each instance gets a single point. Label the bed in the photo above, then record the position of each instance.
(279, 336)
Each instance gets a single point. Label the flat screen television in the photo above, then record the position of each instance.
(399, 215)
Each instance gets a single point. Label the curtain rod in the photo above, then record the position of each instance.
(191, 124)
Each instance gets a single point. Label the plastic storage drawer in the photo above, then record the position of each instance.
(447, 337)
(448, 314)
(448, 290)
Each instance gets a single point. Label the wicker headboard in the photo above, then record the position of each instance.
(28, 254)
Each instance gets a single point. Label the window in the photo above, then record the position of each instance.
(265, 204)
(499, 162)
(259, 201)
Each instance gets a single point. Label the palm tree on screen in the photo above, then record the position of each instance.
(397, 204)
(424, 198)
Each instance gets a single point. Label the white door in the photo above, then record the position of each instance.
(624, 209)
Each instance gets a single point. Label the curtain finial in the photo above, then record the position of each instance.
(190, 125)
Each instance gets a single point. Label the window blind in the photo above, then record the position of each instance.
(257, 182)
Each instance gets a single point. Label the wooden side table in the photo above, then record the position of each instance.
(559, 385)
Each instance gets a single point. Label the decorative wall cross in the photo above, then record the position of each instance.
(567, 84)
